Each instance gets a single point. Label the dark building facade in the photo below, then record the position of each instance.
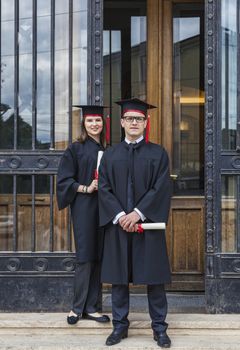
(179, 55)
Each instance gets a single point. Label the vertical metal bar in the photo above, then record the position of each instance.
(52, 133)
(51, 238)
(70, 57)
(34, 72)
(16, 72)
(15, 218)
(33, 224)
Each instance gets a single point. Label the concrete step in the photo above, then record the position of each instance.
(48, 331)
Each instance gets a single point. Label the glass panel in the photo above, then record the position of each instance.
(43, 80)
(7, 77)
(43, 8)
(138, 56)
(61, 81)
(112, 78)
(42, 212)
(229, 214)
(229, 73)
(25, 76)
(24, 212)
(6, 213)
(188, 124)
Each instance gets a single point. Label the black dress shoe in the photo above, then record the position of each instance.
(101, 319)
(73, 319)
(162, 339)
(116, 336)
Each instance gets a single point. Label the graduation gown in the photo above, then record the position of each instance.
(77, 167)
(148, 258)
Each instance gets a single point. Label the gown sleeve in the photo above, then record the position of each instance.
(109, 205)
(155, 204)
(66, 183)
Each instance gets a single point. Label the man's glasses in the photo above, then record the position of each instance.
(130, 119)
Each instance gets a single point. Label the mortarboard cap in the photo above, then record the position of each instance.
(91, 110)
(134, 104)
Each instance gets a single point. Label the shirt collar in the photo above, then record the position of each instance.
(136, 141)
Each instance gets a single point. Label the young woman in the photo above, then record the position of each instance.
(77, 187)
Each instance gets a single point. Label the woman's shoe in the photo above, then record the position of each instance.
(101, 319)
(73, 319)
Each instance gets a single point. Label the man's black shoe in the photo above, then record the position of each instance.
(116, 336)
(73, 319)
(162, 339)
(101, 319)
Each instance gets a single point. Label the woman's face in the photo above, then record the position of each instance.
(93, 125)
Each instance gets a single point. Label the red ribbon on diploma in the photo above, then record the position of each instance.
(139, 228)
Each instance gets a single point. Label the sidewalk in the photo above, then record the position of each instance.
(44, 331)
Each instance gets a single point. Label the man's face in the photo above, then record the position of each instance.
(134, 128)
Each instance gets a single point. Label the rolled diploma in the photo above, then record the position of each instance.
(100, 154)
(154, 226)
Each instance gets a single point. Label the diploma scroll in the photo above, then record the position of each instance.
(151, 226)
(100, 154)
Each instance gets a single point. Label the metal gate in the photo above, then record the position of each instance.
(50, 60)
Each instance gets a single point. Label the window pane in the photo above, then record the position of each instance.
(188, 97)
(6, 213)
(7, 74)
(229, 73)
(229, 213)
(42, 212)
(138, 56)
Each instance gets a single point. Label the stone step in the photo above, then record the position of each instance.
(139, 323)
(142, 342)
(48, 331)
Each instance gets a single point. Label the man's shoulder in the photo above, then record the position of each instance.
(114, 149)
(154, 147)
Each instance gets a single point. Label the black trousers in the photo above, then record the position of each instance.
(157, 303)
(87, 288)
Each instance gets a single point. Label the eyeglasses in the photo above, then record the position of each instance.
(130, 119)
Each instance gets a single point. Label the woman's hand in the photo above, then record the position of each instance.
(93, 186)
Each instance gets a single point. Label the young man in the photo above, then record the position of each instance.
(134, 186)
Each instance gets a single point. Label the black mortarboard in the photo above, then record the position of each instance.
(91, 110)
(134, 104)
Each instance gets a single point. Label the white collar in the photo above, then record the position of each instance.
(136, 141)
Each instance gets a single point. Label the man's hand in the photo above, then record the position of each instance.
(127, 222)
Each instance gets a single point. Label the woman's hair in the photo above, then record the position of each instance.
(83, 133)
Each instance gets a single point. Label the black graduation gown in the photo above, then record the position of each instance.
(149, 260)
(78, 166)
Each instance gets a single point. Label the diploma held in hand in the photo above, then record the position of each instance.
(151, 226)
(100, 154)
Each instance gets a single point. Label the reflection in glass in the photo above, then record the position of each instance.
(7, 75)
(25, 36)
(62, 6)
(112, 79)
(6, 213)
(80, 5)
(25, 8)
(7, 103)
(24, 212)
(229, 213)
(7, 10)
(229, 38)
(61, 82)
(25, 102)
(43, 82)
(43, 8)
(42, 213)
(188, 128)
(138, 56)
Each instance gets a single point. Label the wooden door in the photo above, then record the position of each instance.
(177, 124)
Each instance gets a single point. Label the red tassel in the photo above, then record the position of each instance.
(147, 129)
(108, 130)
(139, 228)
